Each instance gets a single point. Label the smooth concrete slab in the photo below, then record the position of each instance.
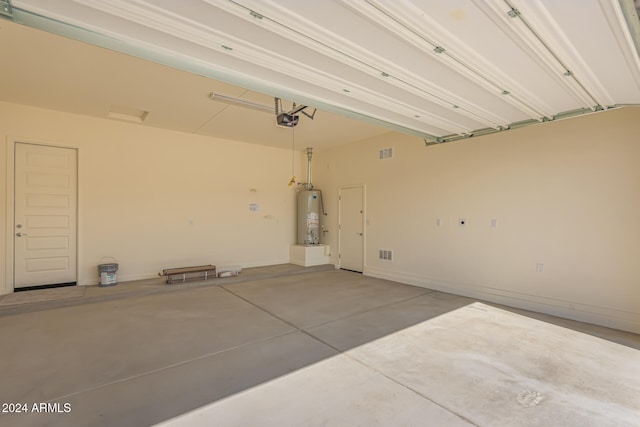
(40, 299)
(126, 358)
(350, 332)
(322, 297)
(621, 337)
(52, 353)
(156, 396)
(52, 294)
(494, 367)
(335, 392)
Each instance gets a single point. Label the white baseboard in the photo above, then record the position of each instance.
(598, 315)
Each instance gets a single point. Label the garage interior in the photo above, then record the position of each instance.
(484, 152)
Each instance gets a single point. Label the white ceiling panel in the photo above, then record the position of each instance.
(439, 69)
(596, 55)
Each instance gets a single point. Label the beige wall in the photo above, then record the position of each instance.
(140, 187)
(565, 194)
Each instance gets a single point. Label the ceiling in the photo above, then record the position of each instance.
(441, 70)
(58, 73)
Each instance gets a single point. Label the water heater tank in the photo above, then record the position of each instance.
(309, 204)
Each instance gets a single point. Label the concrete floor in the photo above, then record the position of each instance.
(285, 345)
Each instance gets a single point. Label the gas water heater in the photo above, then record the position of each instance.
(309, 210)
(309, 215)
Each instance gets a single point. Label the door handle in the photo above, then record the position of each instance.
(21, 234)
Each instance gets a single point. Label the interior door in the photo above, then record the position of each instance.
(45, 215)
(351, 200)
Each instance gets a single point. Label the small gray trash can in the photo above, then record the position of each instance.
(108, 275)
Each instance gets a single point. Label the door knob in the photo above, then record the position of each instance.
(359, 234)
(21, 234)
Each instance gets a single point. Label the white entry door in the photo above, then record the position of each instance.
(351, 211)
(45, 215)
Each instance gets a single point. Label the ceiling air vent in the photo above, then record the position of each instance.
(385, 254)
(386, 153)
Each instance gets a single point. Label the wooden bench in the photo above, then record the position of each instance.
(186, 274)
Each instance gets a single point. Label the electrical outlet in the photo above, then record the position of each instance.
(539, 267)
(494, 222)
(438, 222)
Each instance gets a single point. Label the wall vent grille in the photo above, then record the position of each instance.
(386, 153)
(385, 254)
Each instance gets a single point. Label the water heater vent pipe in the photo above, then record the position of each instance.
(309, 185)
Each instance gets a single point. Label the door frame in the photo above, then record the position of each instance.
(364, 223)
(10, 207)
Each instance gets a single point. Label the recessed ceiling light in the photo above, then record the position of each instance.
(240, 102)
